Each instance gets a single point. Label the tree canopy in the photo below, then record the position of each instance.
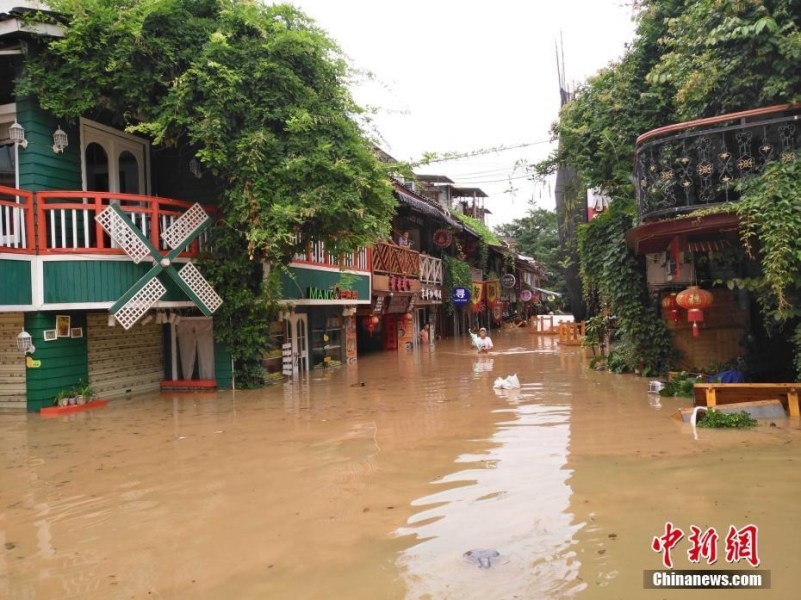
(690, 59)
(259, 92)
(537, 235)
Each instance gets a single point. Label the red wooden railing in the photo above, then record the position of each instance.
(394, 260)
(316, 254)
(16, 221)
(67, 221)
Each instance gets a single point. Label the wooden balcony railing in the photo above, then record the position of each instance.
(16, 221)
(389, 259)
(316, 254)
(682, 167)
(67, 221)
(430, 270)
(57, 222)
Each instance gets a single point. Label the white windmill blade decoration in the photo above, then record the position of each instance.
(120, 231)
(176, 234)
(201, 288)
(140, 303)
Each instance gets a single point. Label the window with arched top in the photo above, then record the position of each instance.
(129, 172)
(114, 161)
(96, 168)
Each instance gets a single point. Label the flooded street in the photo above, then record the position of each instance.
(334, 489)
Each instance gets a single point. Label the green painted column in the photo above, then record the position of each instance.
(58, 364)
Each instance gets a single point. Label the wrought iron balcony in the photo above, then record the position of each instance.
(687, 166)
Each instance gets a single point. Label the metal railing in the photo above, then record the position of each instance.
(686, 166)
(16, 220)
(390, 259)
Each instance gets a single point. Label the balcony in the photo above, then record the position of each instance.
(47, 223)
(697, 164)
(392, 260)
(316, 255)
(430, 270)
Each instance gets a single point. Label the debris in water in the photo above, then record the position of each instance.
(482, 558)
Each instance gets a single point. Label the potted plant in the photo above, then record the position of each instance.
(62, 399)
(83, 392)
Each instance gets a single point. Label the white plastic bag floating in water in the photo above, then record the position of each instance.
(510, 383)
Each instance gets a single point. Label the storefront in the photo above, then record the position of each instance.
(318, 327)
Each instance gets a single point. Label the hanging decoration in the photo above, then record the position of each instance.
(492, 292)
(669, 303)
(694, 300)
(370, 323)
(497, 313)
(477, 295)
(442, 238)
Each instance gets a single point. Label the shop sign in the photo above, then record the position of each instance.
(460, 296)
(314, 293)
(526, 295)
(508, 280)
(379, 305)
(287, 362)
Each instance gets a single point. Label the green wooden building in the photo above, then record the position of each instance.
(60, 272)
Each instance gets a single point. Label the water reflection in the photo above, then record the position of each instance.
(512, 496)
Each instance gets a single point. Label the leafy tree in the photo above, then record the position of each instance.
(690, 59)
(259, 92)
(537, 235)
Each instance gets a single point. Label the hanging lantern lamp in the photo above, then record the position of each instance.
(60, 140)
(669, 303)
(25, 343)
(694, 300)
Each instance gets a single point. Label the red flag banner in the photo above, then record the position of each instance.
(492, 292)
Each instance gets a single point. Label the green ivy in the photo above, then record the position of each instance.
(242, 321)
(457, 273)
(770, 222)
(610, 270)
(485, 234)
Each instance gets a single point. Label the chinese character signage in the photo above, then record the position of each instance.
(492, 292)
(739, 545)
(460, 296)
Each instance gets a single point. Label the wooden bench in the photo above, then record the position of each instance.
(714, 394)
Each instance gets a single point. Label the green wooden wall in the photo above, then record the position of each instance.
(97, 280)
(16, 282)
(39, 167)
(222, 366)
(64, 361)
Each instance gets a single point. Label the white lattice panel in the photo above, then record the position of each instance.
(122, 234)
(178, 233)
(140, 303)
(198, 284)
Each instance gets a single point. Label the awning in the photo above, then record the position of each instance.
(549, 292)
(428, 208)
(710, 246)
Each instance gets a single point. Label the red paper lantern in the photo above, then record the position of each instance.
(695, 300)
(669, 303)
(370, 323)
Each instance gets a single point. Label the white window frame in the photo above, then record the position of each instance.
(115, 142)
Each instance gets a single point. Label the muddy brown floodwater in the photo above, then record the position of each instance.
(331, 489)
